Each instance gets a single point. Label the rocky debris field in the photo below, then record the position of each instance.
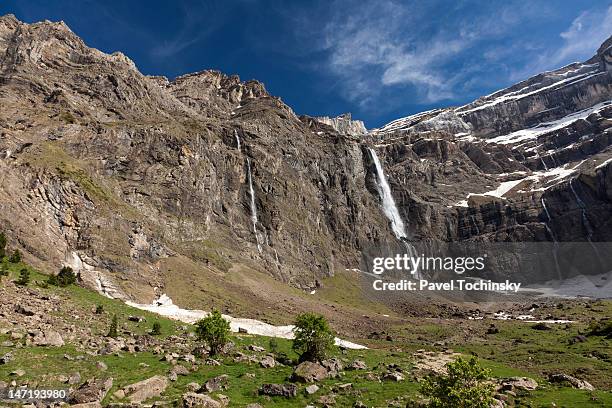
(54, 337)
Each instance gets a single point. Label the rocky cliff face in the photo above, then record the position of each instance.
(140, 182)
(345, 124)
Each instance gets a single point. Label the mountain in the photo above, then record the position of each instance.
(208, 188)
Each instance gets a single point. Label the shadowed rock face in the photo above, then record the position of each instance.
(128, 177)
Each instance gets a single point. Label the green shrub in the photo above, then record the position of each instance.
(15, 257)
(2, 245)
(112, 330)
(464, 386)
(4, 270)
(214, 330)
(24, 277)
(600, 328)
(65, 277)
(99, 309)
(156, 331)
(313, 337)
(273, 344)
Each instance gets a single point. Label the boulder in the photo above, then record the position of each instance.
(575, 382)
(94, 390)
(193, 400)
(180, 370)
(217, 383)
(5, 359)
(358, 365)
(193, 387)
(149, 388)
(394, 376)
(267, 362)
(309, 372)
(521, 383)
(281, 390)
(311, 389)
(49, 338)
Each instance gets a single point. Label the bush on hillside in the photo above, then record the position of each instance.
(465, 386)
(214, 331)
(24, 277)
(313, 337)
(15, 257)
(65, 277)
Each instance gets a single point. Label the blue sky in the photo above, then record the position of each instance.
(379, 59)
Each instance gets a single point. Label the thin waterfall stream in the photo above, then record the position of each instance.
(253, 205)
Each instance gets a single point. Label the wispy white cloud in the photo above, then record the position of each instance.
(388, 44)
(579, 42)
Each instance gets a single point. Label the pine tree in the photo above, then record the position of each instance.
(2, 245)
(15, 257)
(156, 329)
(112, 331)
(24, 277)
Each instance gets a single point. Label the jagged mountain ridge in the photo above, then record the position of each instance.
(133, 179)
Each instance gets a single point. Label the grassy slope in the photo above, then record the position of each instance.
(44, 365)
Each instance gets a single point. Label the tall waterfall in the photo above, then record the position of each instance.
(253, 205)
(389, 207)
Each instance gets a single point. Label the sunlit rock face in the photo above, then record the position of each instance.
(145, 180)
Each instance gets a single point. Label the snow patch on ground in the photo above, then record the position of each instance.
(165, 307)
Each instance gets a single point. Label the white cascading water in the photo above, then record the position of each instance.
(253, 205)
(237, 139)
(390, 208)
(554, 238)
(585, 220)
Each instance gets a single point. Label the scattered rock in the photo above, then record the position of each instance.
(520, 383)
(74, 378)
(137, 319)
(6, 358)
(49, 338)
(394, 376)
(327, 400)
(217, 383)
(17, 373)
(180, 370)
(358, 365)
(267, 362)
(282, 390)
(577, 339)
(193, 387)
(94, 390)
(492, 329)
(149, 388)
(193, 400)
(100, 365)
(25, 310)
(311, 389)
(575, 382)
(541, 326)
(309, 372)
(257, 349)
